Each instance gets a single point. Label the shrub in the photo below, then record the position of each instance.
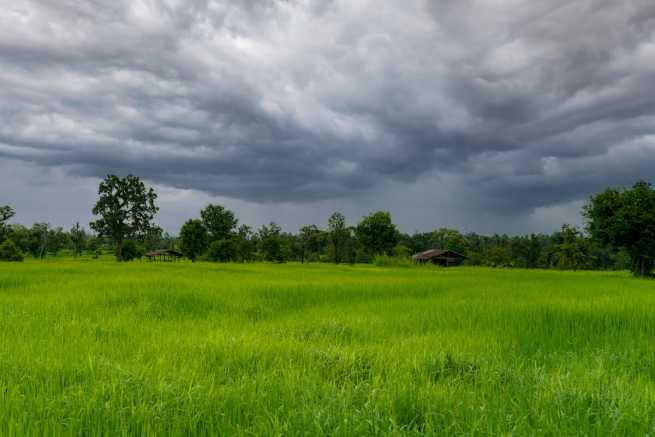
(363, 257)
(10, 252)
(393, 261)
(132, 250)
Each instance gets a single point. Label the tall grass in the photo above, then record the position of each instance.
(99, 348)
(394, 261)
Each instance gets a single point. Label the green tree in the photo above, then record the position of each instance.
(271, 243)
(401, 251)
(498, 257)
(338, 235)
(377, 233)
(350, 246)
(418, 242)
(450, 239)
(78, 239)
(20, 235)
(625, 219)
(38, 239)
(573, 250)
(525, 251)
(245, 246)
(310, 241)
(6, 213)
(57, 240)
(9, 251)
(94, 245)
(126, 209)
(193, 239)
(224, 250)
(219, 221)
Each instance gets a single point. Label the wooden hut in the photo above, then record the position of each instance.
(164, 255)
(441, 257)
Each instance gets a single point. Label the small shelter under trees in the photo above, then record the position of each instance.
(164, 255)
(441, 257)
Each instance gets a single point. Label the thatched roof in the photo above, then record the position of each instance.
(438, 253)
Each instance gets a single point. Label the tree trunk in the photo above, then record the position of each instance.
(642, 266)
(119, 250)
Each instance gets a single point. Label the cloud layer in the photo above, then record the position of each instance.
(515, 105)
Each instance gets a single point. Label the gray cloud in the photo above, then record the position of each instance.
(520, 105)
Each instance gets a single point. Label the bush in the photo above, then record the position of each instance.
(10, 252)
(224, 250)
(132, 250)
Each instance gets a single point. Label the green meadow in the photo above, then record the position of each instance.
(93, 347)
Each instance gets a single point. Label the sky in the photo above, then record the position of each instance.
(494, 116)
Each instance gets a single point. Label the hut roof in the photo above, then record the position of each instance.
(165, 252)
(437, 253)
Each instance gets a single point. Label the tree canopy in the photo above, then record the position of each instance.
(193, 239)
(377, 233)
(126, 210)
(219, 221)
(310, 241)
(78, 238)
(6, 213)
(626, 219)
(271, 243)
(9, 251)
(449, 239)
(620, 235)
(338, 234)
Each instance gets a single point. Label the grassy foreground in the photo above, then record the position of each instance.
(97, 348)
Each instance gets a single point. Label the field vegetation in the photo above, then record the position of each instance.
(95, 347)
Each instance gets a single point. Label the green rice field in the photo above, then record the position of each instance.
(92, 347)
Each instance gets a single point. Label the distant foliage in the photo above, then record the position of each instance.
(193, 239)
(272, 245)
(450, 239)
(58, 239)
(312, 239)
(78, 239)
(6, 213)
(377, 234)
(132, 250)
(219, 221)
(245, 244)
(625, 219)
(224, 250)
(620, 235)
(339, 234)
(573, 251)
(10, 252)
(39, 240)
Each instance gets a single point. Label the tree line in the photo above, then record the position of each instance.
(619, 234)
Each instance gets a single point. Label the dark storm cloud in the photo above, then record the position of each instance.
(523, 104)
